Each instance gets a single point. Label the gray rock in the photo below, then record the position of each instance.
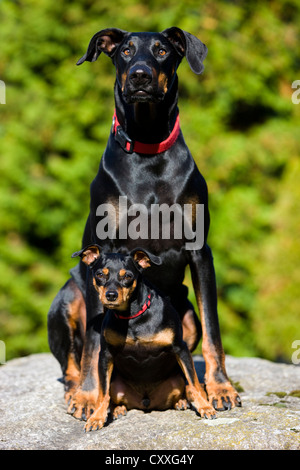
(33, 413)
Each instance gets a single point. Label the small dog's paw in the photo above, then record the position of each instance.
(203, 407)
(207, 412)
(82, 404)
(119, 411)
(96, 421)
(182, 404)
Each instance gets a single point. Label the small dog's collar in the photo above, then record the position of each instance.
(143, 309)
(131, 146)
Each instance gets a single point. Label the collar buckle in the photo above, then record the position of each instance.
(130, 146)
(122, 138)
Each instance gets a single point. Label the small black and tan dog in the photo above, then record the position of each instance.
(143, 359)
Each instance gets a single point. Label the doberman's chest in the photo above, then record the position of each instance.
(139, 176)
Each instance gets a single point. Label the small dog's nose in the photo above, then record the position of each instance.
(111, 295)
(140, 75)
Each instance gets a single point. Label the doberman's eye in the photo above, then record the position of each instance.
(126, 52)
(127, 276)
(162, 52)
(100, 275)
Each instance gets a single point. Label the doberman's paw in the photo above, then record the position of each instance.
(69, 394)
(71, 385)
(119, 411)
(82, 404)
(223, 396)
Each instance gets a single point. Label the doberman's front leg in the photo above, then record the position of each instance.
(195, 393)
(221, 393)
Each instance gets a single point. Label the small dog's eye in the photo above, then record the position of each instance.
(127, 276)
(162, 52)
(100, 275)
(126, 52)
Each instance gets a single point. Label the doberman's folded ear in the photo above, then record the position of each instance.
(144, 259)
(189, 46)
(89, 254)
(106, 40)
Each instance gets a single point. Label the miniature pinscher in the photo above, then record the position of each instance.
(143, 361)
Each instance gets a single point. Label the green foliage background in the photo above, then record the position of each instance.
(238, 120)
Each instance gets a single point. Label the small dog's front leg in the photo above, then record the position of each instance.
(82, 401)
(195, 393)
(99, 417)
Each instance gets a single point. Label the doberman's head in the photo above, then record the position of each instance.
(146, 63)
(115, 275)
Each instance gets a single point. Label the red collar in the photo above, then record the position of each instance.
(131, 146)
(143, 309)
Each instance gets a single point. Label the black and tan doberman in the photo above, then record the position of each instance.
(146, 165)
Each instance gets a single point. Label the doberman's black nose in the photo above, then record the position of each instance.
(140, 75)
(111, 295)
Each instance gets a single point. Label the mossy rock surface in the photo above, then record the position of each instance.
(33, 413)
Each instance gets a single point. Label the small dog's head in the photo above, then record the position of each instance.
(115, 275)
(146, 63)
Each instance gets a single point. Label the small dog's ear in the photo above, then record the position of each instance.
(106, 40)
(144, 258)
(88, 254)
(189, 46)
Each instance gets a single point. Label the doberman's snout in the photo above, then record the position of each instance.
(111, 295)
(140, 75)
